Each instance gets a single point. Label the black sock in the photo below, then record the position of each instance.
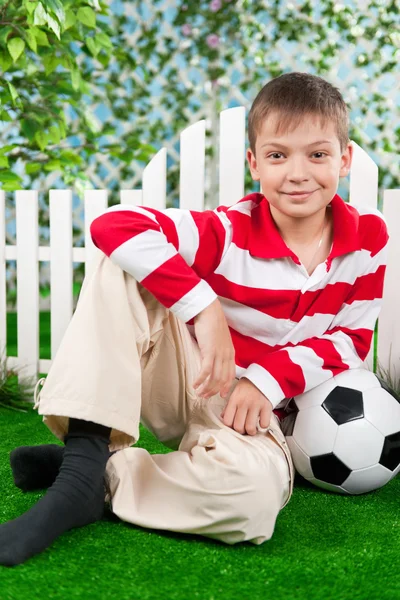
(36, 467)
(75, 499)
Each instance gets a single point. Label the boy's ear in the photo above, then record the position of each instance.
(251, 159)
(346, 161)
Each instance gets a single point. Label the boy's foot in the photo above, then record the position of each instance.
(36, 467)
(75, 499)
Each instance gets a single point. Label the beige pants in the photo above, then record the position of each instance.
(124, 359)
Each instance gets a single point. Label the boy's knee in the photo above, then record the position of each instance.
(231, 474)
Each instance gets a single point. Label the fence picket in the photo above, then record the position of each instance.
(389, 319)
(27, 281)
(96, 202)
(3, 288)
(155, 181)
(61, 271)
(192, 166)
(364, 191)
(232, 155)
(134, 197)
(363, 178)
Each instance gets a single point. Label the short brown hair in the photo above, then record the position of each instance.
(293, 96)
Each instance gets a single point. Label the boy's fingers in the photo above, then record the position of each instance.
(214, 383)
(204, 373)
(230, 378)
(220, 378)
(203, 380)
(226, 380)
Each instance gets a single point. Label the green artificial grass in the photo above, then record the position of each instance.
(325, 546)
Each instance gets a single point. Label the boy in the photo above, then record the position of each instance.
(280, 291)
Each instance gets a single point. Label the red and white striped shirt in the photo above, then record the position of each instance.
(290, 331)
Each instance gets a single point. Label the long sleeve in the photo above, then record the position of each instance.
(297, 368)
(169, 252)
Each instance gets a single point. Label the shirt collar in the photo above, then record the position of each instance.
(266, 241)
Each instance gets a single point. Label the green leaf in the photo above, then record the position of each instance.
(126, 156)
(54, 26)
(4, 162)
(30, 6)
(57, 8)
(93, 47)
(62, 129)
(104, 40)
(41, 139)
(4, 116)
(108, 129)
(40, 36)
(54, 134)
(29, 127)
(31, 68)
(8, 176)
(103, 59)
(91, 121)
(31, 40)
(4, 33)
(70, 19)
(31, 168)
(5, 61)
(7, 148)
(13, 92)
(95, 4)
(87, 16)
(53, 165)
(50, 63)
(11, 186)
(40, 15)
(69, 157)
(16, 47)
(75, 78)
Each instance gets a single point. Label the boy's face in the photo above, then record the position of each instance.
(307, 159)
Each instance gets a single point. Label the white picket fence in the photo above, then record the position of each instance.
(61, 253)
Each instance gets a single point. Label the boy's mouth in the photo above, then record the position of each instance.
(299, 195)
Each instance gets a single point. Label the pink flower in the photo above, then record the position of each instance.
(212, 40)
(215, 5)
(186, 29)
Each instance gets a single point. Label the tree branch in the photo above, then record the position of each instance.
(4, 9)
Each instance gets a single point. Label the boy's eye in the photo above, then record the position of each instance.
(278, 155)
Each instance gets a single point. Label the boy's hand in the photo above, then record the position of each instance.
(217, 352)
(245, 405)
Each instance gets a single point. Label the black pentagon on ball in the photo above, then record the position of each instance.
(344, 404)
(387, 387)
(328, 468)
(390, 457)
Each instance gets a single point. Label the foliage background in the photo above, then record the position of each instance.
(91, 90)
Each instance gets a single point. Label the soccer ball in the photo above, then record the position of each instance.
(344, 435)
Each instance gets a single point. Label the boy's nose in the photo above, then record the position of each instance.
(298, 171)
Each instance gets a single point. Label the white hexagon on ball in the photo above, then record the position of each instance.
(358, 444)
(382, 410)
(316, 396)
(300, 459)
(315, 431)
(327, 486)
(357, 379)
(367, 480)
